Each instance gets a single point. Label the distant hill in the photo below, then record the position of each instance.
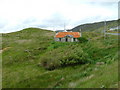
(95, 26)
(59, 31)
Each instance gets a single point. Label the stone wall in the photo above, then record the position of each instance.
(66, 39)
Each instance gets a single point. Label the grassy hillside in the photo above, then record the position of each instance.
(24, 52)
(97, 26)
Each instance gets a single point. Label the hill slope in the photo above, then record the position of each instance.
(23, 51)
(95, 26)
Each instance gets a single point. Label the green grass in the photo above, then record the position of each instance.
(24, 51)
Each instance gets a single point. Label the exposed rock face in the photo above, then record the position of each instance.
(100, 63)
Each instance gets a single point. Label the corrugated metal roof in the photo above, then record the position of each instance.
(63, 34)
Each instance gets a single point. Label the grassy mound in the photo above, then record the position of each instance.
(24, 50)
(63, 56)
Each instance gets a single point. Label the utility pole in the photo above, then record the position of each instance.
(80, 32)
(104, 29)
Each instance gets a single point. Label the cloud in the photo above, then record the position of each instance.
(52, 14)
(2, 23)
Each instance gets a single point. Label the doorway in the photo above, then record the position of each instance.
(74, 39)
(66, 39)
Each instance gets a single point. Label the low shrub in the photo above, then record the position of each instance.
(82, 39)
(64, 56)
(54, 45)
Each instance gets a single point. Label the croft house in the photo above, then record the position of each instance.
(67, 36)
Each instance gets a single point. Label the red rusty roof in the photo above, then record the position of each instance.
(63, 34)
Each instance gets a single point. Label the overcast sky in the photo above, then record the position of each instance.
(52, 14)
